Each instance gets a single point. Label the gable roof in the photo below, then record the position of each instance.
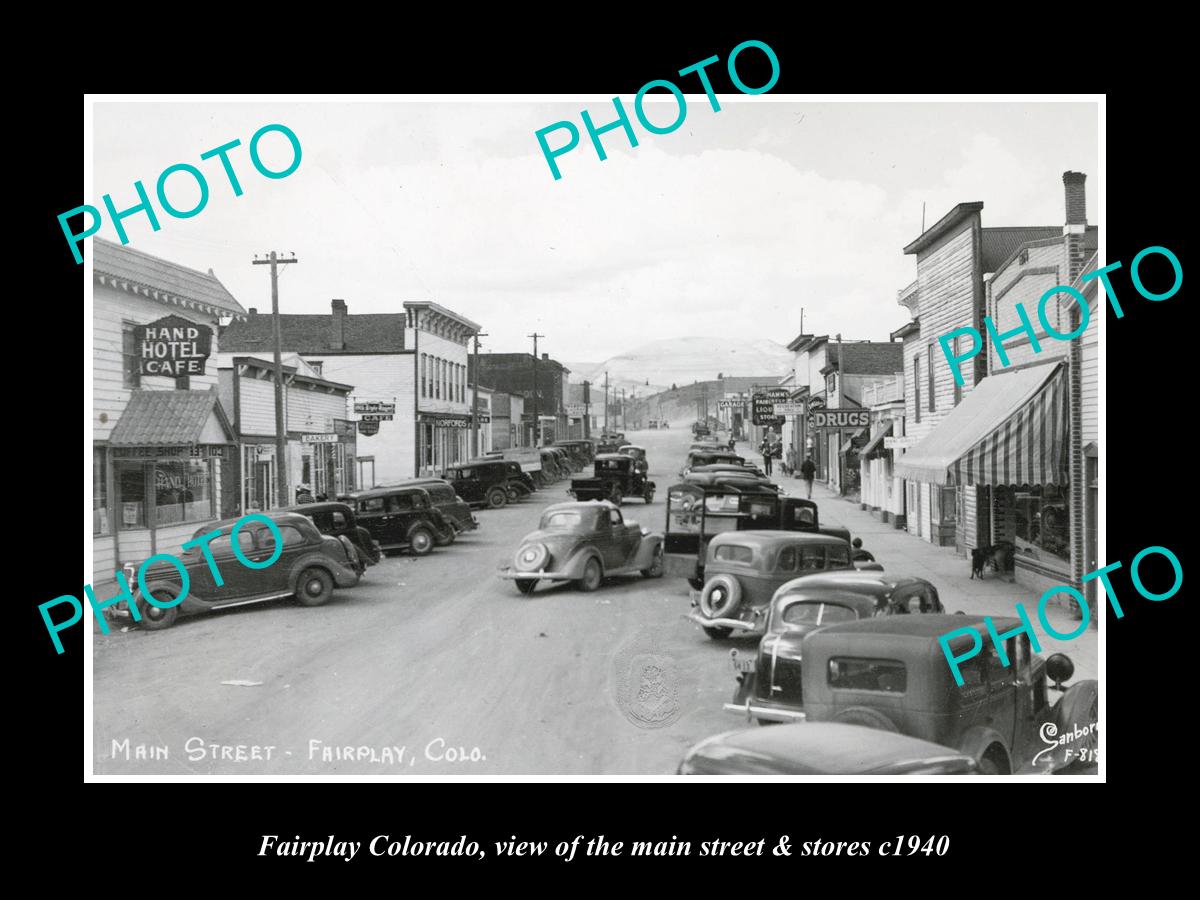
(160, 279)
(157, 418)
(302, 333)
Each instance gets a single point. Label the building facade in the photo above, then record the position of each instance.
(161, 440)
(543, 385)
(408, 371)
(321, 440)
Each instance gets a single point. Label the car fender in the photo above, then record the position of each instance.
(578, 559)
(318, 561)
(977, 739)
(190, 602)
(646, 549)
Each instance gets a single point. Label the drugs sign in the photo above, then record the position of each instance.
(840, 418)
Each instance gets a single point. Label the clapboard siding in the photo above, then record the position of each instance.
(313, 411)
(110, 310)
(387, 378)
(256, 406)
(1025, 283)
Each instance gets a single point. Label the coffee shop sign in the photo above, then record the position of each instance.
(173, 346)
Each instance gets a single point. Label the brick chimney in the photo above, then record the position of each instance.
(1076, 223)
(1076, 199)
(546, 356)
(337, 325)
(253, 311)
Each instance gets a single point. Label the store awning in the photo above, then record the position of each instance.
(850, 441)
(171, 418)
(1010, 429)
(875, 444)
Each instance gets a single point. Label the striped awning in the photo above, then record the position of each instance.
(1010, 429)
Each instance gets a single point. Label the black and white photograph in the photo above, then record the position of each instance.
(697, 432)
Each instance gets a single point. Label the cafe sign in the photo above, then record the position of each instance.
(840, 418)
(368, 427)
(172, 346)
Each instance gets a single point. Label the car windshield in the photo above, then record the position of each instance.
(734, 553)
(814, 612)
(567, 519)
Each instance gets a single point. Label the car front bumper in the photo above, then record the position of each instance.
(540, 574)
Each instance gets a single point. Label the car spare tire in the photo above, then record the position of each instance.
(720, 597)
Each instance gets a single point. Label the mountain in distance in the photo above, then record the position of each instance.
(683, 360)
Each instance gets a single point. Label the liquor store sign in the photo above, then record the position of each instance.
(172, 346)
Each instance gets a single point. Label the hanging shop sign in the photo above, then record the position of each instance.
(172, 346)
(576, 410)
(368, 427)
(763, 405)
(898, 443)
(370, 406)
(377, 417)
(319, 438)
(789, 409)
(840, 418)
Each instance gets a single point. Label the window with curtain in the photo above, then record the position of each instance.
(99, 491)
(130, 357)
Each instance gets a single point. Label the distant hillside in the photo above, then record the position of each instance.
(656, 366)
(687, 403)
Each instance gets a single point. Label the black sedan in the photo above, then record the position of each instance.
(821, 748)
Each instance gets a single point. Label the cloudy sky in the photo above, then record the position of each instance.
(729, 226)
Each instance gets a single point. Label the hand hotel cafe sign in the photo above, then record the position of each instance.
(173, 346)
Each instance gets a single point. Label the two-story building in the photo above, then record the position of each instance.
(320, 438)
(993, 457)
(543, 384)
(411, 364)
(160, 437)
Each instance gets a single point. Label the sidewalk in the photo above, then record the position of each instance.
(901, 553)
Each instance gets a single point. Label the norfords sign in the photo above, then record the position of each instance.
(840, 418)
(172, 346)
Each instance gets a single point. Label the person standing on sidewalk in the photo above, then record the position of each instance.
(808, 469)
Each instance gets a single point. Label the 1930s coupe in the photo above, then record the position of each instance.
(743, 570)
(307, 566)
(615, 477)
(584, 542)
(770, 688)
(890, 673)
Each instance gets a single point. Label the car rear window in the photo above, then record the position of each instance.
(562, 520)
(734, 553)
(817, 613)
(887, 676)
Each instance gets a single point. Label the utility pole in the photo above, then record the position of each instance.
(587, 408)
(606, 402)
(537, 424)
(281, 474)
(475, 399)
(624, 420)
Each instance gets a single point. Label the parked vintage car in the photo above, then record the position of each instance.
(824, 748)
(308, 567)
(482, 482)
(890, 673)
(569, 462)
(443, 496)
(615, 476)
(403, 518)
(339, 520)
(709, 457)
(700, 429)
(584, 542)
(770, 688)
(743, 569)
(582, 451)
(704, 505)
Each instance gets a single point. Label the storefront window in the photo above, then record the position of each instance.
(131, 494)
(99, 491)
(1041, 522)
(182, 491)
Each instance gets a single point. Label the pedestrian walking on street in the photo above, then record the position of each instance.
(789, 467)
(808, 469)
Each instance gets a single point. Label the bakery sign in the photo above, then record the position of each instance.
(172, 346)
